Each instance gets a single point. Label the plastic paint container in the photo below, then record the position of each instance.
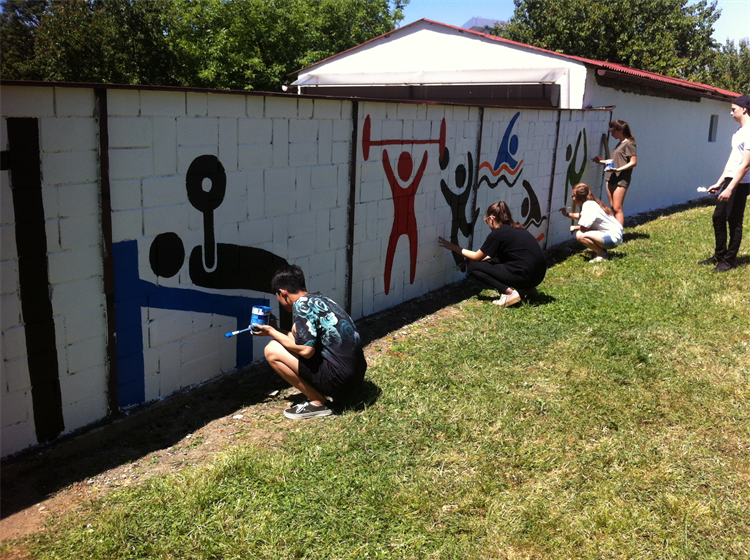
(261, 315)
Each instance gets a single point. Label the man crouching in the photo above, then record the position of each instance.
(322, 356)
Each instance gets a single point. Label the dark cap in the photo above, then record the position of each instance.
(742, 101)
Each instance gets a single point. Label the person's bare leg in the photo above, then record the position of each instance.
(617, 199)
(286, 365)
(592, 240)
(610, 191)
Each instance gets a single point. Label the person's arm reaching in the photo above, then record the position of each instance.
(467, 253)
(288, 341)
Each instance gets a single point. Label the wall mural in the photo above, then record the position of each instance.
(404, 184)
(573, 176)
(459, 201)
(505, 163)
(23, 160)
(403, 188)
(506, 169)
(214, 265)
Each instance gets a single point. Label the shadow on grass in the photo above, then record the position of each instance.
(363, 398)
(37, 474)
(541, 299)
(380, 324)
(536, 301)
(633, 235)
(562, 252)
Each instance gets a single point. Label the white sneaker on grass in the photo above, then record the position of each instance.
(506, 300)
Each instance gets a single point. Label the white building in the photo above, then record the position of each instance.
(682, 128)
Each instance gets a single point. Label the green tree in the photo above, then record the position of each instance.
(111, 41)
(730, 68)
(255, 44)
(669, 37)
(227, 44)
(19, 22)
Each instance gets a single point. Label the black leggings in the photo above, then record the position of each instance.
(730, 212)
(497, 275)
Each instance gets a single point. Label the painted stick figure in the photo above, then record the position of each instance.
(221, 266)
(508, 147)
(573, 177)
(505, 163)
(458, 201)
(404, 221)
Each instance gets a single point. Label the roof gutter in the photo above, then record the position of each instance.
(660, 85)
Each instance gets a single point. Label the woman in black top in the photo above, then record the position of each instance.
(510, 258)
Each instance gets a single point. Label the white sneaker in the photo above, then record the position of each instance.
(508, 300)
(599, 258)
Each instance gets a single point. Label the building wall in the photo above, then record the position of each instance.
(69, 387)
(426, 53)
(210, 193)
(674, 153)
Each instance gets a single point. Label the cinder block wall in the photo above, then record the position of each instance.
(73, 394)
(210, 192)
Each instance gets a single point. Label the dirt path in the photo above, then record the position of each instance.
(187, 429)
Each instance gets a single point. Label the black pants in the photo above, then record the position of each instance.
(730, 212)
(497, 275)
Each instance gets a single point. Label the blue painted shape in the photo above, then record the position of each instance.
(133, 294)
(508, 147)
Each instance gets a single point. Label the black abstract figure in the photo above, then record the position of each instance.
(458, 201)
(214, 265)
(531, 211)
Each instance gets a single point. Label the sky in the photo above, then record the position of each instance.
(734, 22)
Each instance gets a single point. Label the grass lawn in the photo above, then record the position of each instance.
(608, 419)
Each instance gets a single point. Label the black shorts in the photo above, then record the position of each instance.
(332, 383)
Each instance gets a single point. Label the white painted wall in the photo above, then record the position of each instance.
(287, 165)
(69, 162)
(674, 154)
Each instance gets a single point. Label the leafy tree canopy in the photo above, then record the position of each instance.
(228, 44)
(236, 43)
(669, 37)
(730, 68)
(19, 21)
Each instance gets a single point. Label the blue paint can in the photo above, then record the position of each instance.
(261, 315)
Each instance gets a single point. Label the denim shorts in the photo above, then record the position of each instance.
(608, 243)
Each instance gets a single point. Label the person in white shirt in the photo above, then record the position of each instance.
(597, 228)
(733, 187)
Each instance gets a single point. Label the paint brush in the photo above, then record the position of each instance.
(235, 333)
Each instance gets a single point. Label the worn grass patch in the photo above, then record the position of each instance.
(608, 419)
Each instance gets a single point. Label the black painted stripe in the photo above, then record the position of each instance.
(33, 275)
(350, 207)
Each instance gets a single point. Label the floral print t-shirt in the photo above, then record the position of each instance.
(320, 322)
